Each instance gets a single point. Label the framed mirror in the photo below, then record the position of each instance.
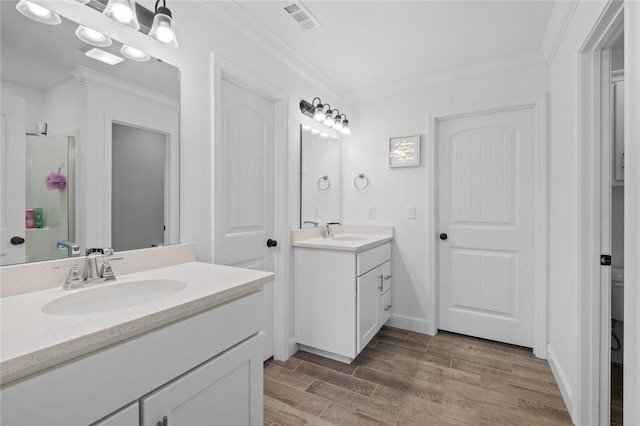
(320, 179)
(117, 127)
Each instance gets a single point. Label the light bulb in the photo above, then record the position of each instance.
(306, 127)
(122, 13)
(338, 124)
(37, 13)
(134, 54)
(318, 115)
(315, 131)
(91, 36)
(165, 33)
(38, 10)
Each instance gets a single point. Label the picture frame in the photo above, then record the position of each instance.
(404, 151)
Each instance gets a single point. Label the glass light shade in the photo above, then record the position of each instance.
(38, 13)
(79, 1)
(306, 127)
(318, 115)
(124, 12)
(92, 37)
(345, 128)
(338, 124)
(328, 121)
(134, 54)
(163, 30)
(315, 131)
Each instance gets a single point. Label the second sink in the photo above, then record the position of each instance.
(110, 297)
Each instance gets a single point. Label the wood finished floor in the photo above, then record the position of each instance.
(405, 378)
(616, 394)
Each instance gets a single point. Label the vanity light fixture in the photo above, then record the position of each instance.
(38, 13)
(134, 54)
(163, 29)
(327, 116)
(123, 12)
(104, 56)
(92, 36)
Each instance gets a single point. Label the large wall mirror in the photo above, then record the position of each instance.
(89, 151)
(320, 187)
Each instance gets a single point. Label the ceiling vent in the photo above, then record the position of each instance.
(301, 15)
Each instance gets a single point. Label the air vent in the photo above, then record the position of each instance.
(301, 15)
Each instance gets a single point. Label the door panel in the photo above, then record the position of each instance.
(12, 175)
(368, 291)
(485, 204)
(245, 188)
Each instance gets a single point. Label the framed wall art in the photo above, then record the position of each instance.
(404, 151)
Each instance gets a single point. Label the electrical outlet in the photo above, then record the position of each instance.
(372, 212)
(411, 212)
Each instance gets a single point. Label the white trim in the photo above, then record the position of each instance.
(405, 322)
(591, 370)
(632, 207)
(85, 75)
(557, 25)
(223, 69)
(561, 378)
(540, 187)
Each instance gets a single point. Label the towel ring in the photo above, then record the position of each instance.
(324, 186)
(361, 177)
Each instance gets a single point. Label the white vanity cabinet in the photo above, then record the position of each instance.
(205, 367)
(343, 298)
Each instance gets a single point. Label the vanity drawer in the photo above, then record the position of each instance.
(371, 258)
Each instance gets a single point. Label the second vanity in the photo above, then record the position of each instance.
(343, 288)
(185, 358)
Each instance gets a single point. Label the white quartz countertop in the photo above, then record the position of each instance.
(346, 241)
(32, 340)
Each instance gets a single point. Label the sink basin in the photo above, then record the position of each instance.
(110, 297)
(349, 238)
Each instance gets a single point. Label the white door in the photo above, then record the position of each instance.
(12, 184)
(245, 189)
(485, 196)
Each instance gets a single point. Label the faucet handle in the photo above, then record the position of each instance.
(74, 279)
(106, 271)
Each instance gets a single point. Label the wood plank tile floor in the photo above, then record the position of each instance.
(405, 378)
(616, 394)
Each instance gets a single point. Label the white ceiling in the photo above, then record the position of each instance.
(365, 44)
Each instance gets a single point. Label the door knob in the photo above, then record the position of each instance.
(16, 241)
(443, 236)
(271, 243)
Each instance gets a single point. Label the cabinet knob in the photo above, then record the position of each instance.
(386, 308)
(163, 422)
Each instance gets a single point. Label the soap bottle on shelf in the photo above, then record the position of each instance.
(29, 219)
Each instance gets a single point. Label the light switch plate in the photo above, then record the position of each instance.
(372, 212)
(411, 212)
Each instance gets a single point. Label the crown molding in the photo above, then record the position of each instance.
(248, 26)
(557, 25)
(85, 75)
(521, 62)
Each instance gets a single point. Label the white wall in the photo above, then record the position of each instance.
(35, 103)
(392, 190)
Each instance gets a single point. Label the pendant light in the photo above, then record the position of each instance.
(93, 37)
(134, 54)
(38, 13)
(345, 127)
(123, 12)
(337, 124)
(163, 29)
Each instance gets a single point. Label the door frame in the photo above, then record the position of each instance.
(540, 241)
(224, 69)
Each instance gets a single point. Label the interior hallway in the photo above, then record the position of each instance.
(405, 378)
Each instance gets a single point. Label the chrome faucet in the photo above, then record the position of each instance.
(72, 248)
(92, 274)
(327, 232)
(310, 222)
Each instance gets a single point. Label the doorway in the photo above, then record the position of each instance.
(138, 188)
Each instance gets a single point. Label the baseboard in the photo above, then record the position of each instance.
(561, 379)
(408, 323)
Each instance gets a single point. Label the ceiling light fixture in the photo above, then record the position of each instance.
(92, 36)
(163, 29)
(38, 13)
(134, 54)
(104, 56)
(327, 116)
(123, 12)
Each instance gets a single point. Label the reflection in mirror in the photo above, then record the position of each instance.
(320, 180)
(50, 87)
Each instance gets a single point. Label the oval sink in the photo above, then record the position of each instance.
(113, 296)
(349, 238)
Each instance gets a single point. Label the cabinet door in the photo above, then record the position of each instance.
(369, 286)
(385, 307)
(227, 390)
(128, 416)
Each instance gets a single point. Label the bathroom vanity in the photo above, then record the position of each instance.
(343, 289)
(190, 355)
